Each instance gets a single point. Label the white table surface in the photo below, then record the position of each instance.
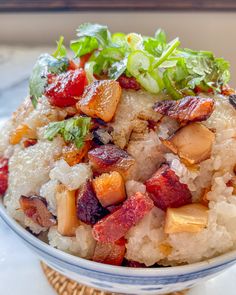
(20, 272)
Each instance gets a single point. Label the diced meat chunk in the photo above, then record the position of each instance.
(100, 99)
(188, 109)
(89, 209)
(3, 183)
(114, 226)
(3, 165)
(72, 155)
(22, 131)
(227, 90)
(35, 208)
(3, 175)
(29, 142)
(66, 211)
(190, 218)
(109, 157)
(128, 83)
(110, 253)
(66, 88)
(232, 100)
(166, 190)
(109, 188)
(192, 143)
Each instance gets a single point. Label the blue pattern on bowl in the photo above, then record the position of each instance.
(120, 279)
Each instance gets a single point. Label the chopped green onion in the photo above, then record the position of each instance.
(148, 82)
(169, 86)
(89, 71)
(61, 50)
(138, 62)
(135, 41)
(166, 53)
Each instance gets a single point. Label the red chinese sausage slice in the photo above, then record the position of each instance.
(110, 157)
(3, 175)
(114, 226)
(188, 109)
(29, 142)
(166, 190)
(110, 253)
(128, 83)
(35, 207)
(89, 209)
(66, 87)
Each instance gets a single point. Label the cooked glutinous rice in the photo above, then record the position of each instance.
(126, 154)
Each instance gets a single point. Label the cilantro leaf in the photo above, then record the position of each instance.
(72, 130)
(61, 49)
(117, 69)
(38, 81)
(105, 58)
(156, 63)
(160, 36)
(83, 46)
(153, 46)
(97, 31)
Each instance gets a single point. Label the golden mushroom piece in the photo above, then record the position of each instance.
(192, 143)
(189, 218)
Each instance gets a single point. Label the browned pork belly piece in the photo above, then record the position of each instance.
(110, 157)
(100, 99)
(188, 109)
(35, 207)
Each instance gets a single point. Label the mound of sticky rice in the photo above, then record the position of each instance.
(39, 169)
(124, 151)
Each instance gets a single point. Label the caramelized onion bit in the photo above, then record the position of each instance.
(72, 155)
(35, 207)
(188, 109)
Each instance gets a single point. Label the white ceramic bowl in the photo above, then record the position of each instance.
(121, 279)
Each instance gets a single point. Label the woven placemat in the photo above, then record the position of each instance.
(65, 286)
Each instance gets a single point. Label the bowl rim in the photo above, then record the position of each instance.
(89, 265)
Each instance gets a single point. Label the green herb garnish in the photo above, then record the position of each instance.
(46, 64)
(72, 130)
(61, 49)
(154, 62)
(158, 65)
